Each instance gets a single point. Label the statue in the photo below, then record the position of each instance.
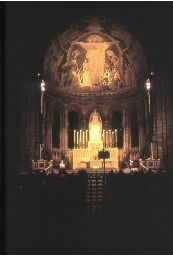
(95, 133)
(95, 127)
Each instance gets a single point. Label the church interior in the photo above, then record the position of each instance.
(96, 91)
(88, 128)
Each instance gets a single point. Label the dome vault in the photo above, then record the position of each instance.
(94, 60)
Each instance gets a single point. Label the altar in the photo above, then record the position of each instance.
(85, 153)
(84, 158)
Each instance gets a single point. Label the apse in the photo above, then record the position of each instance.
(97, 72)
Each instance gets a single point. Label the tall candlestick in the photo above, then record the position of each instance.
(77, 139)
(152, 155)
(83, 139)
(80, 138)
(149, 101)
(115, 138)
(74, 138)
(42, 102)
(86, 138)
(110, 136)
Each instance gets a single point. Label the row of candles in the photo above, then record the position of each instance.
(81, 139)
(109, 138)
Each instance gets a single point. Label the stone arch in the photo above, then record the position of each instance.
(111, 110)
(75, 108)
(58, 107)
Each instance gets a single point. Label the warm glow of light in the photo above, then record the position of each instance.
(86, 79)
(148, 84)
(80, 137)
(95, 65)
(43, 85)
(95, 132)
(74, 138)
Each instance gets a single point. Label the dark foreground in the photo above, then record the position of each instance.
(75, 214)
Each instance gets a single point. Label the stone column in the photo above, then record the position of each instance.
(141, 131)
(147, 121)
(44, 116)
(48, 129)
(162, 122)
(49, 134)
(65, 130)
(62, 125)
(126, 130)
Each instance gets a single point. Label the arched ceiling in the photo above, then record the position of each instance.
(95, 60)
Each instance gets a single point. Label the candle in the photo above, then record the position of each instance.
(152, 150)
(41, 102)
(80, 138)
(83, 139)
(116, 138)
(113, 139)
(110, 136)
(74, 138)
(77, 139)
(86, 138)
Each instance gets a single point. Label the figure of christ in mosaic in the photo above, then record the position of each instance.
(94, 64)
